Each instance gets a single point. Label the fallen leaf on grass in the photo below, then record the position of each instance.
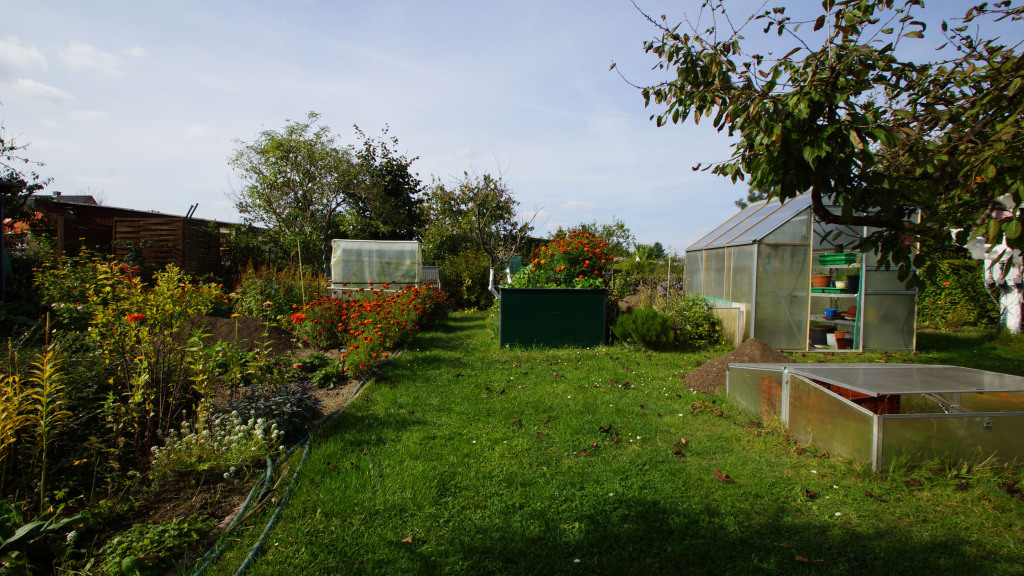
(542, 432)
(557, 375)
(809, 494)
(353, 465)
(642, 406)
(682, 441)
(1011, 488)
(678, 453)
(615, 437)
(518, 421)
(659, 415)
(803, 560)
(517, 364)
(824, 454)
(962, 485)
(913, 482)
(331, 466)
(876, 497)
(366, 451)
(408, 539)
(718, 413)
(723, 477)
(612, 380)
(605, 429)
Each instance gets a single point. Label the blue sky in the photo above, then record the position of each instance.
(140, 103)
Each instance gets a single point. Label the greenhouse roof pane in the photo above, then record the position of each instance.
(883, 379)
(753, 223)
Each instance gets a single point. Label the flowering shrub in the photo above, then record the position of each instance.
(576, 259)
(144, 335)
(368, 325)
(226, 443)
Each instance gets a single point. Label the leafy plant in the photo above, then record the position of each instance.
(49, 405)
(29, 547)
(15, 417)
(291, 407)
(150, 548)
(646, 326)
(465, 277)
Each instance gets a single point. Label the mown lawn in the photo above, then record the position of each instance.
(461, 458)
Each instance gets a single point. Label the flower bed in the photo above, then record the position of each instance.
(368, 326)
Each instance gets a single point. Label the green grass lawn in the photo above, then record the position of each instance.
(461, 458)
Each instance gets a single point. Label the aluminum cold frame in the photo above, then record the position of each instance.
(813, 413)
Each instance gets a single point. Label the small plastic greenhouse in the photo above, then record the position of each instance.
(359, 264)
(786, 279)
(878, 413)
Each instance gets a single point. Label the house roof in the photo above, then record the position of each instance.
(753, 223)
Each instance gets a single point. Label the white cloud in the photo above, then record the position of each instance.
(14, 55)
(197, 132)
(28, 89)
(81, 56)
(136, 52)
(577, 206)
(88, 116)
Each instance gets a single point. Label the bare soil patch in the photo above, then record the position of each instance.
(710, 376)
(248, 333)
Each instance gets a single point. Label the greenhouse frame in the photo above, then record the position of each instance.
(756, 268)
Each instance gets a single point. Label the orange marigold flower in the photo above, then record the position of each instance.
(136, 317)
(945, 283)
(298, 318)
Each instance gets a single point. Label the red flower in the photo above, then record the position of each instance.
(135, 317)
(298, 318)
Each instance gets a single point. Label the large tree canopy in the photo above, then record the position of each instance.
(911, 149)
(477, 210)
(306, 189)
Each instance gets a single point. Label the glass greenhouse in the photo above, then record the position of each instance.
(361, 263)
(878, 413)
(786, 279)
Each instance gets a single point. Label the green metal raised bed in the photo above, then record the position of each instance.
(552, 317)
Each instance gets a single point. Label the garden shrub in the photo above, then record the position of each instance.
(292, 407)
(646, 326)
(65, 287)
(576, 259)
(696, 325)
(217, 445)
(465, 277)
(954, 296)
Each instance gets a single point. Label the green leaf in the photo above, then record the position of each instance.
(914, 34)
(1012, 229)
(819, 23)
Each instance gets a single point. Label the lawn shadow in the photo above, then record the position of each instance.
(642, 536)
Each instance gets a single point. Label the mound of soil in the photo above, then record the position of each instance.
(248, 333)
(710, 376)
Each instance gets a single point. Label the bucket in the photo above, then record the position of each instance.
(830, 339)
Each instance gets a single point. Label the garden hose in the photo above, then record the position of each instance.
(214, 552)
